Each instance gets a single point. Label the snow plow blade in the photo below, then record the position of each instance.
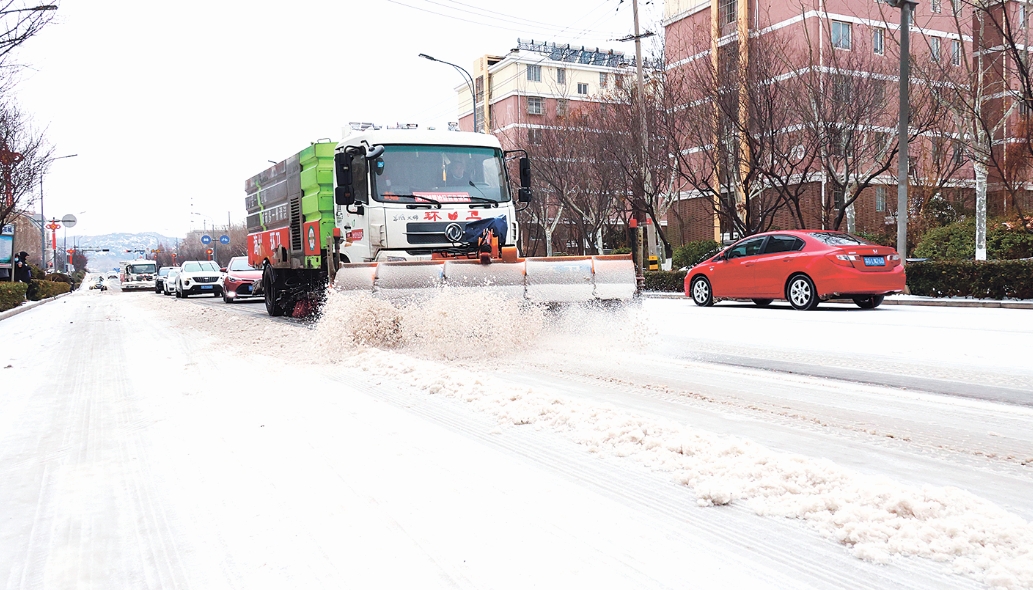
(566, 279)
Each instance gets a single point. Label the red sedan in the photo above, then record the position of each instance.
(241, 280)
(803, 267)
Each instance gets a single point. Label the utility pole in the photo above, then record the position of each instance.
(638, 223)
(906, 10)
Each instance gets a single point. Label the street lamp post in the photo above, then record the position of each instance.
(469, 82)
(43, 219)
(907, 8)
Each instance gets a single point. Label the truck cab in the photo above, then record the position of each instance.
(137, 274)
(408, 194)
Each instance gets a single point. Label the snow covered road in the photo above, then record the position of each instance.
(149, 442)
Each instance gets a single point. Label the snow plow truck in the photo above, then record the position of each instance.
(406, 212)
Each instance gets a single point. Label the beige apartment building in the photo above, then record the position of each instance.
(536, 84)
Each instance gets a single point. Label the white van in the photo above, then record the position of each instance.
(137, 274)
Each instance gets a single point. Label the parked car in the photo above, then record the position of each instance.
(168, 287)
(198, 276)
(803, 267)
(159, 279)
(241, 280)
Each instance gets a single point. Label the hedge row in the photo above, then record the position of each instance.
(985, 280)
(665, 280)
(11, 294)
(996, 279)
(43, 289)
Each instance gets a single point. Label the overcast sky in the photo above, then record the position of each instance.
(168, 103)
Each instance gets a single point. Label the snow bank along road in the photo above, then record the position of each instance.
(149, 442)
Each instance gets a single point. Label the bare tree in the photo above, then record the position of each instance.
(981, 95)
(20, 20)
(851, 115)
(644, 174)
(24, 158)
(572, 167)
(736, 126)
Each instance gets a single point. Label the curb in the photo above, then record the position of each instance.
(1016, 304)
(26, 307)
(947, 302)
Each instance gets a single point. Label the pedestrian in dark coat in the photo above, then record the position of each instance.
(22, 273)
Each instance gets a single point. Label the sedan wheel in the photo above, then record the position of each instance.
(801, 293)
(870, 302)
(701, 294)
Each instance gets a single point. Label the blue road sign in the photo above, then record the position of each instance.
(224, 239)
(206, 239)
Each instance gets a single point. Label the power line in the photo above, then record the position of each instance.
(526, 27)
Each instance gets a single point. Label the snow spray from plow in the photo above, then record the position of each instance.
(567, 279)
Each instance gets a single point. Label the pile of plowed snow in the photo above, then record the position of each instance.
(876, 517)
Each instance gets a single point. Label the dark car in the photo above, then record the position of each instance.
(241, 280)
(159, 279)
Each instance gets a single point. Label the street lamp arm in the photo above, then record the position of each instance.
(467, 78)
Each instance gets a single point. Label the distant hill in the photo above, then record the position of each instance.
(117, 244)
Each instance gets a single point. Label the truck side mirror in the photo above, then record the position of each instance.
(524, 195)
(525, 172)
(343, 193)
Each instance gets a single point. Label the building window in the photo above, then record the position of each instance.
(602, 79)
(956, 6)
(728, 11)
(534, 136)
(561, 75)
(841, 35)
(839, 197)
(534, 73)
(959, 154)
(880, 198)
(842, 88)
(934, 48)
(956, 52)
(582, 88)
(934, 5)
(879, 41)
(937, 149)
(561, 107)
(535, 105)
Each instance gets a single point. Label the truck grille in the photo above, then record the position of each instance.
(429, 232)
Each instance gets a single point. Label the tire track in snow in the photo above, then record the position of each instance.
(758, 542)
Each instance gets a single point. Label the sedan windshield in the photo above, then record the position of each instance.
(439, 174)
(839, 239)
(241, 264)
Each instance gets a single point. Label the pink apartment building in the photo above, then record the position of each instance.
(827, 30)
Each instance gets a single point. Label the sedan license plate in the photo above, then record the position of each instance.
(875, 261)
(209, 286)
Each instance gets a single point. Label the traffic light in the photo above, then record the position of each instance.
(209, 252)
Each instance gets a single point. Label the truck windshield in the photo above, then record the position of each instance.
(442, 174)
(141, 269)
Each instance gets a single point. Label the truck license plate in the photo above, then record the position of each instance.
(875, 261)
